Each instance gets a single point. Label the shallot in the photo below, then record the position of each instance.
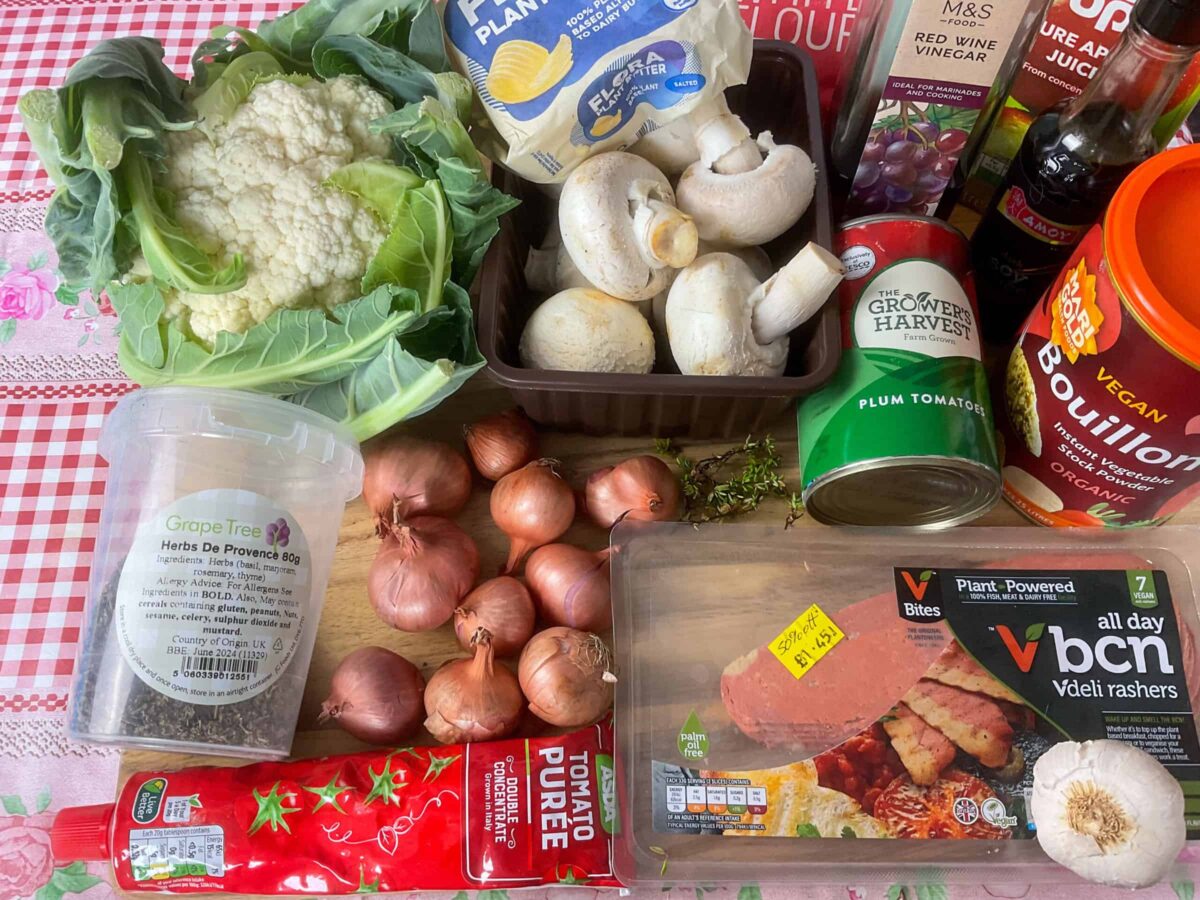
(473, 699)
(501, 444)
(567, 676)
(422, 571)
(642, 488)
(571, 586)
(375, 696)
(533, 506)
(406, 477)
(502, 606)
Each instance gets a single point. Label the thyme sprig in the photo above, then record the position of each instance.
(715, 489)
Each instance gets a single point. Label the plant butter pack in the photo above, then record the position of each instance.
(561, 82)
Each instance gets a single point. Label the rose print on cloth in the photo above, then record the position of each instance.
(32, 291)
(25, 860)
(27, 293)
(27, 867)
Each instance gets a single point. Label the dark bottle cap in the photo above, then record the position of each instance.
(1172, 21)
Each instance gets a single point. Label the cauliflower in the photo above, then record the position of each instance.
(256, 187)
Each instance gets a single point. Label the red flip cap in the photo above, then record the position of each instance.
(81, 832)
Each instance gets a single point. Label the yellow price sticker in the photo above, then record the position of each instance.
(806, 640)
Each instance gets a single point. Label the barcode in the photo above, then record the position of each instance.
(215, 667)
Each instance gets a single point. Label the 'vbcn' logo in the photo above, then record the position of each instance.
(1114, 653)
(1022, 654)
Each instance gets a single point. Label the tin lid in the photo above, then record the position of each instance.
(1150, 246)
(925, 492)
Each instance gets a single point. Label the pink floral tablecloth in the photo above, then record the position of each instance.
(58, 378)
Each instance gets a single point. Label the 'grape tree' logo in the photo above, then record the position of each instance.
(278, 533)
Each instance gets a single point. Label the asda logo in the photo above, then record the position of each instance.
(606, 783)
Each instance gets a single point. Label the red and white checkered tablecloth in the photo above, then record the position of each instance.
(49, 506)
(43, 39)
(58, 379)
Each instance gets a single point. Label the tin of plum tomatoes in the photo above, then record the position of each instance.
(903, 434)
(1102, 391)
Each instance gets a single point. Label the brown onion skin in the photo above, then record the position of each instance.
(533, 506)
(571, 586)
(408, 476)
(473, 699)
(501, 444)
(561, 673)
(502, 606)
(376, 696)
(421, 572)
(642, 488)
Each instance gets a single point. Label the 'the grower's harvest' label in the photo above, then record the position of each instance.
(1101, 424)
(213, 597)
(911, 383)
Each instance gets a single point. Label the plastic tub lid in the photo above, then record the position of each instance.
(254, 419)
(1150, 247)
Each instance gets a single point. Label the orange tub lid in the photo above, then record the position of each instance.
(1152, 249)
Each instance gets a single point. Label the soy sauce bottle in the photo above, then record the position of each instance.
(1073, 159)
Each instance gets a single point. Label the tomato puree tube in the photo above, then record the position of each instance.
(506, 814)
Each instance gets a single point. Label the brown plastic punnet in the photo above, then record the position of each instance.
(781, 97)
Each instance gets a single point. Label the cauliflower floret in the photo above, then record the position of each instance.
(257, 188)
(359, 105)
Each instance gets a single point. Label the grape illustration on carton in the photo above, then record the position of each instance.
(909, 157)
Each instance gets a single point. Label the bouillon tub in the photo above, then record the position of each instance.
(1102, 394)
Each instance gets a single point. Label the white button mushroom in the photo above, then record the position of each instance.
(745, 206)
(675, 146)
(585, 330)
(671, 148)
(755, 257)
(1108, 811)
(722, 321)
(723, 141)
(619, 224)
(549, 269)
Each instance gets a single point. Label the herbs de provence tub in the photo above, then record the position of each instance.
(1101, 425)
(219, 524)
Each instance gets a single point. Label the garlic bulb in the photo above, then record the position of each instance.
(1108, 812)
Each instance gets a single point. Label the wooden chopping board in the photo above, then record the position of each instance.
(349, 622)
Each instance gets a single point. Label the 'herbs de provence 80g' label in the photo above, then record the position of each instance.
(213, 595)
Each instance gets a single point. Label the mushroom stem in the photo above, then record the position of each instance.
(792, 296)
(666, 237)
(725, 143)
